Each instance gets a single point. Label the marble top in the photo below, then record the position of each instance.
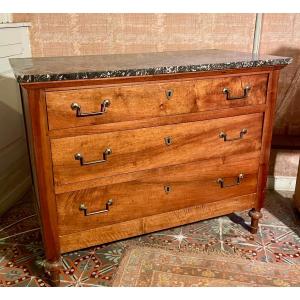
(41, 69)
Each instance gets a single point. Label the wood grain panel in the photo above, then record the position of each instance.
(34, 106)
(105, 234)
(189, 185)
(141, 149)
(158, 121)
(131, 102)
(134, 102)
(126, 177)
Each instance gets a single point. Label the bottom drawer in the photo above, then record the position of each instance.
(159, 191)
(118, 231)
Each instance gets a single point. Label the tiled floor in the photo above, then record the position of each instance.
(21, 252)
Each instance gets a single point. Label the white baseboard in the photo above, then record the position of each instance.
(283, 183)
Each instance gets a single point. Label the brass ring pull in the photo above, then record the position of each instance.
(228, 97)
(220, 181)
(80, 157)
(103, 109)
(86, 213)
(223, 135)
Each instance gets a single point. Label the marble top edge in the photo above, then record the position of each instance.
(43, 69)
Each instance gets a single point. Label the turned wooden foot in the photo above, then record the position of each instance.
(255, 216)
(52, 269)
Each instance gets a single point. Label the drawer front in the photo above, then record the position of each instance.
(88, 157)
(67, 109)
(165, 189)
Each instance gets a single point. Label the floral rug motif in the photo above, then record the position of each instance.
(152, 267)
(277, 243)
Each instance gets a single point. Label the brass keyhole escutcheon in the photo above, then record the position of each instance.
(169, 94)
(167, 189)
(168, 140)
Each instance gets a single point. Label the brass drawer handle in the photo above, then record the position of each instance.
(80, 157)
(223, 135)
(239, 178)
(228, 97)
(103, 109)
(86, 213)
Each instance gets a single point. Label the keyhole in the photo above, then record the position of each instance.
(167, 189)
(168, 140)
(169, 94)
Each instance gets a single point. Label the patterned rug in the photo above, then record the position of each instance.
(150, 267)
(276, 244)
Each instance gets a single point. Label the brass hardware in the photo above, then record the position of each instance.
(80, 157)
(228, 97)
(169, 94)
(167, 189)
(223, 135)
(168, 140)
(238, 181)
(86, 213)
(103, 109)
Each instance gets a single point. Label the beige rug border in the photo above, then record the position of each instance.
(203, 255)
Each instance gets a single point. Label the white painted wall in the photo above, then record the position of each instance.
(14, 163)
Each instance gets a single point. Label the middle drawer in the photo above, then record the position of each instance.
(89, 157)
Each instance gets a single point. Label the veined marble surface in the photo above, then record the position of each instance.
(40, 69)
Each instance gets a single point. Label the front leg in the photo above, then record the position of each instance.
(255, 216)
(52, 269)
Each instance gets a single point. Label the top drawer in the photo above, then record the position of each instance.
(117, 103)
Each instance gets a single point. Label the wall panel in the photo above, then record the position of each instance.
(281, 36)
(82, 34)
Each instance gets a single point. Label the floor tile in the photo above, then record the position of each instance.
(103, 264)
(12, 274)
(74, 264)
(281, 244)
(22, 254)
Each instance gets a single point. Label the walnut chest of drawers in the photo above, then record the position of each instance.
(123, 145)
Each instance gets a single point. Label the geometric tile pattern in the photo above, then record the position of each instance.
(22, 254)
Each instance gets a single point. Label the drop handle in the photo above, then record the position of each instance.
(103, 109)
(86, 213)
(80, 157)
(223, 135)
(227, 92)
(238, 181)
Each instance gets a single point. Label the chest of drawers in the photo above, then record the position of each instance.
(123, 145)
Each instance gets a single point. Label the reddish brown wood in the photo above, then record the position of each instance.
(126, 177)
(158, 121)
(41, 161)
(53, 270)
(141, 161)
(141, 149)
(267, 138)
(166, 189)
(147, 100)
(255, 216)
(105, 234)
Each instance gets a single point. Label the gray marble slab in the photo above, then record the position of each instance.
(41, 69)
